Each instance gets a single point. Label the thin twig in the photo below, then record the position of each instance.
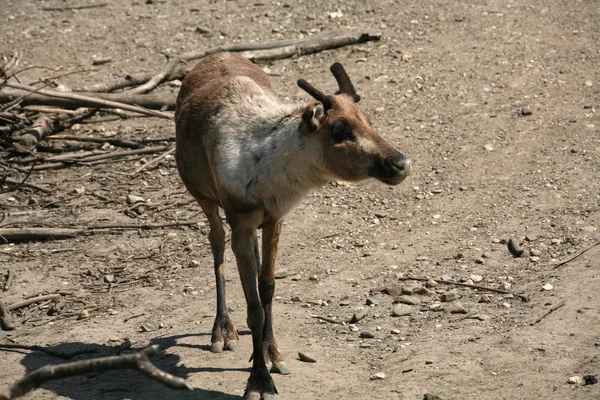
(352, 320)
(152, 162)
(412, 278)
(74, 7)
(10, 276)
(19, 184)
(551, 310)
(33, 300)
(90, 101)
(115, 142)
(576, 255)
(157, 79)
(138, 361)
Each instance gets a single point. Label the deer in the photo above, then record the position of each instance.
(241, 149)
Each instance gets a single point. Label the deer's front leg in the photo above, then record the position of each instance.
(266, 287)
(260, 384)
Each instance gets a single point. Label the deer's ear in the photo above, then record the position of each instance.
(312, 116)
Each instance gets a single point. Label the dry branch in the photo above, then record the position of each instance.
(12, 235)
(521, 296)
(138, 361)
(551, 310)
(129, 81)
(33, 300)
(156, 80)
(98, 157)
(66, 8)
(568, 260)
(318, 43)
(157, 159)
(10, 276)
(356, 317)
(311, 46)
(115, 142)
(96, 100)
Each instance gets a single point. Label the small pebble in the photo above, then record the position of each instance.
(402, 310)
(555, 241)
(306, 357)
(353, 327)
(396, 331)
(485, 298)
(514, 247)
(455, 308)
(109, 278)
(282, 274)
(431, 283)
(479, 261)
(393, 291)
(547, 287)
(506, 305)
(526, 111)
(448, 297)
(367, 335)
(132, 199)
(534, 259)
(408, 290)
(378, 375)
(84, 314)
(194, 264)
(575, 380)
(531, 238)
(535, 252)
(476, 278)
(371, 301)
(590, 379)
(147, 327)
(410, 300)
(428, 396)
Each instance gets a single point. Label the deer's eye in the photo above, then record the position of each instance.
(341, 131)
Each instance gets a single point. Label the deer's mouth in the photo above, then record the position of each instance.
(392, 170)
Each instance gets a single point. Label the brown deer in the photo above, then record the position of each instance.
(240, 148)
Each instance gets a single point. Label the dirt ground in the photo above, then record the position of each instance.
(449, 85)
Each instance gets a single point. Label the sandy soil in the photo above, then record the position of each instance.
(447, 85)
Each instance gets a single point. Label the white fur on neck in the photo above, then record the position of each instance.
(261, 155)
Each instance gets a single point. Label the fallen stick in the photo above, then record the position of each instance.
(10, 276)
(74, 7)
(138, 361)
(158, 78)
(326, 39)
(46, 350)
(157, 159)
(33, 300)
(123, 101)
(115, 142)
(129, 81)
(5, 319)
(12, 235)
(19, 184)
(551, 310)
(352, 320)
(311, 47)
(576, 255)
(27, 184)
(521, 296)
(49, 110)
(65, 162)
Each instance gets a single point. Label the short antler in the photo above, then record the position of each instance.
(316, 93)
(344, 81)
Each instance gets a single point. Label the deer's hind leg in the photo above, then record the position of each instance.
(224, 334)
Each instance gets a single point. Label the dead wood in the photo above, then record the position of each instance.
(115, 142)
(33, 300)
(64, 162)
(129, 81)
(158, 78)
(356, 317)
(20, 183)
(12, 235)
(95, 100)
(81, 7)
(521, 296)
(10, 276)
(5, 319)
(551, 310)
(31, 137)
(318, 43)
(49, 110)
(139, 361)
(152, 162)
(568, 260)
(312, 46)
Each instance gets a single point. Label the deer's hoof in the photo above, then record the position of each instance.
(280, 368)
